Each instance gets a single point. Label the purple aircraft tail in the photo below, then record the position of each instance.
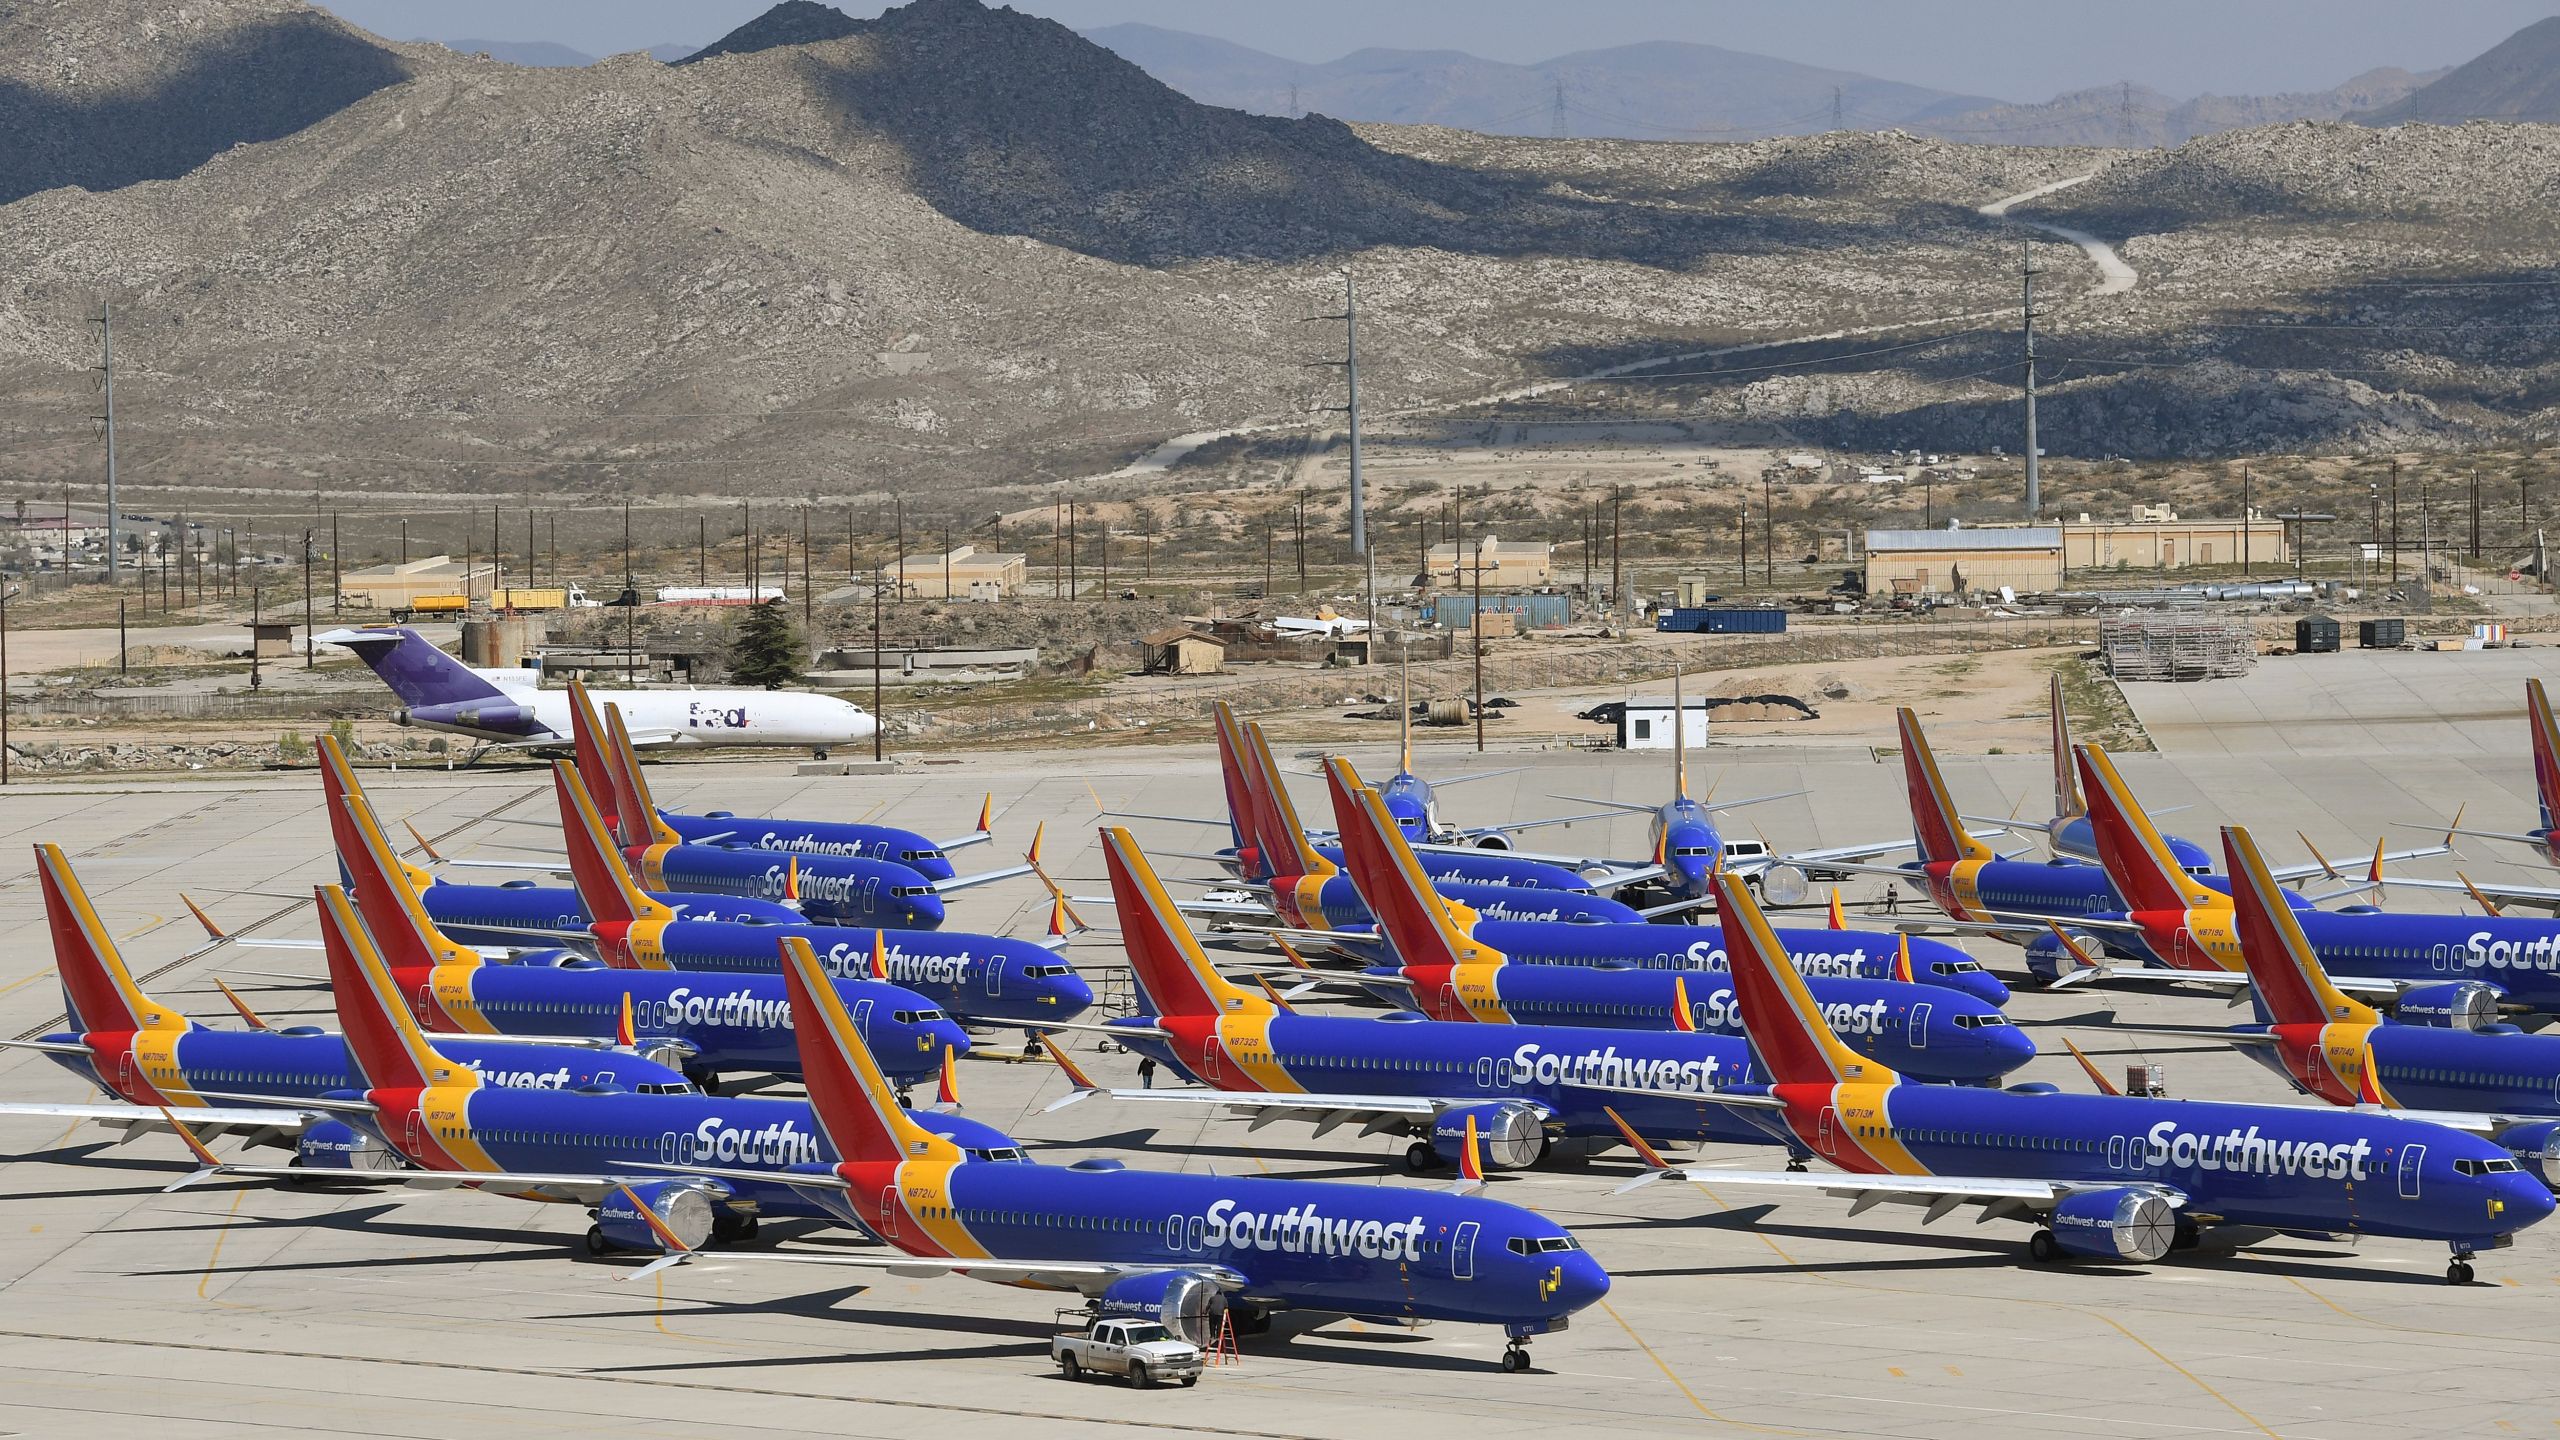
(437, 688)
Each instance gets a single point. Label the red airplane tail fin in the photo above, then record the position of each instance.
(98, 992)
(635, 811)
(1255, 859)
(1413, 916)
(854, 1106)
(408, 938)
(1792, 1041)
(604, 881)
(2138, 862)
(383, 1039)
(587, 736)
(1172, 975)
(1936, 826)
(2546, 752)
(346, 825)
(1283, 836)
(2286, 978)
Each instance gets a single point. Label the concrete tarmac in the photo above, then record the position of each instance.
(231, 1310)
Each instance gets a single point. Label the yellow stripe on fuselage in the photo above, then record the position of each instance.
(155, 1058)
(924, 1190)
(2347, 1051)
(1478, 986)
(1246, 1039)
(450, 985)
(1866, 1122)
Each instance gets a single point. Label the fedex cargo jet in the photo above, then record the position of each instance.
(506, 707)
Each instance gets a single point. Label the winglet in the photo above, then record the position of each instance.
(2326, 869)
(2373, 874)
(1902, 956)
(2487, 906)
(1292, 952)
(253, 1019)
(426, 847)
(791, 879)
(2073, 948)
(1651, 1157)
(1265, 982)
(879, 954)
(1471, 1160)
(987, 815)
(211, 930)
(946, 1087)
(1681, 1019)
(625, 1034)
(2089, 1068)
(1074, 1072)
(2453, 828)
(210, 1164)
(1839, 915)
(1032, 855)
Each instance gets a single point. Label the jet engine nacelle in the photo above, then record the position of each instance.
(476, 715)
(336, 1145)
(2537, 1148)
(1784, 885)
(1187, 1304)
(683, 1206)
(1492, 840)
(2452, 1005)
(2117, 1224)
(1510, 1134)
(2048, 961)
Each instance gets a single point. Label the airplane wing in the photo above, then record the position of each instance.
(2528, 894)
(983, 877)
(980, 836)
(586, 1189)
(1082, 1276)
(138, 1119)
(1266, 1107)
(1941, 1193)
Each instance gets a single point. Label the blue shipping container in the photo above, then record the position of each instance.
(1723, 622)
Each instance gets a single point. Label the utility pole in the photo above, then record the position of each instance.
(631, 612)
(1617, 571)
(2028, 270)
(1075, 582)
(1556, 120)
(2395, 522)
(310, 656)
(878, 725)
(107, 367)
(404, 542)
(2475, 512)
(337, 579)
(120, 642)
(257, 613)
(1836, 110)
(1744, 526)
(4, 680)
(2244, 522)
(1302, 541)
(1768, 535)
(1477, 619)
(1266, 554)
(1350, 318)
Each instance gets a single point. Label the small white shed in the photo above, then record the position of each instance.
(1646, 723)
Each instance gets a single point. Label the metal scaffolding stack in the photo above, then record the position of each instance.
(2176, 647)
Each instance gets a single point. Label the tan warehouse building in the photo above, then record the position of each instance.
(2025, 558)
(1512, 564)
(964, 574)
(2156, 539)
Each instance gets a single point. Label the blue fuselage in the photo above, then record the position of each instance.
(290, 1066)
(973, 977)
(1840, 954)
(526, 914)
(815, 837)
(833, 889)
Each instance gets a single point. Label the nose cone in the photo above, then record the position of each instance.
(942, 1034)
(2528, 1201)
(1982, 985)
(1072, 994)
(1581, 1283)
(924, 912)
(2005, 1048)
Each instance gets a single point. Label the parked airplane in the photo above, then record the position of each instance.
(978, 979)
(1454, 971)
(507, 707)
(2459, 967)
(1305, 882)
(2116, 1178)
(1187, 1250)
(147, 1056)
(707, 1025)
(1525, 1090)
(1838, 952)
(583, 1149)
(2327, 1044)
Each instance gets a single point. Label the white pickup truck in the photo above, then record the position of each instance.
(1143, 1350)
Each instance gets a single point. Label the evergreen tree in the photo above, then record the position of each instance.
(765, 652)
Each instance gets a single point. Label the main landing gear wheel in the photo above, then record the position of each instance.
(818, 752)
(2043, 1248)
(596, 1245)
(1420, 1158)
(1515, 1359)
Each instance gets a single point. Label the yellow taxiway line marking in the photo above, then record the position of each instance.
(205, 1281)
(1679, 1384)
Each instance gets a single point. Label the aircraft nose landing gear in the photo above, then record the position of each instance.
(1515, 1357)
(2458, 1272)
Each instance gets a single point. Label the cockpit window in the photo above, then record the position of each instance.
(1001, 1153)
(1693, 849)
(1042, 972)
(2484, 1167)
(1541, 1245)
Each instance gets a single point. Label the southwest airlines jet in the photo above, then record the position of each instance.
(1453, 971)
(1188, 1250)
(150, 1059)
(710, 1025)
(2327, 1044)
(508, 707)
(2118, 1178)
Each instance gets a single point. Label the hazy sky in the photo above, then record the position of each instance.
(2010, 49)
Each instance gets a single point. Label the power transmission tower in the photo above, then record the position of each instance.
(106, 367)
(1836, 122)
(1350, 365)
(1294, 111)
(1557, 122)
(2124, 113)
(2028, 270)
